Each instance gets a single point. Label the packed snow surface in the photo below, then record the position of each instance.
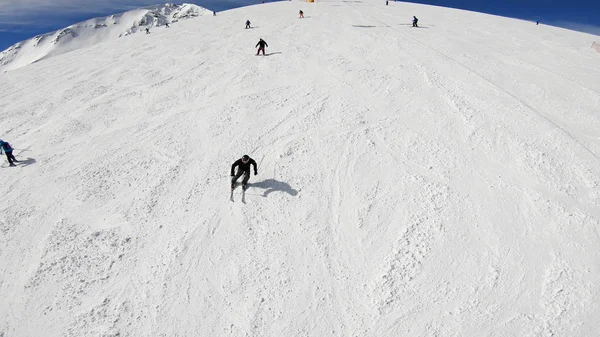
(91, 32)
(432, 181)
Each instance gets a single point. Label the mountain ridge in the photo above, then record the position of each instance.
(93, 31)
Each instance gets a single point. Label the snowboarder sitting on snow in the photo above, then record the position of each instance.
(415, 20)
(248, 24)
(243, 168)
(301, 14)
(261, 46)
(4, 146)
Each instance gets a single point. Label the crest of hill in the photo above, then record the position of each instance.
(91, 32)
(432, 181)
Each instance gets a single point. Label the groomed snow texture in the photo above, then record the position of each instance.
(432, 181)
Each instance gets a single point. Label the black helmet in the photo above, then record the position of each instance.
(245, 158)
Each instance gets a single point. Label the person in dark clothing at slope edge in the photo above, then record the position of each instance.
(415, 20)
(243, 165)
(5, 146)
(261, 46)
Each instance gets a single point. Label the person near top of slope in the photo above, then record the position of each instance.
(5, 146)
(301, 14)
(147, 30)
(415, 20)
(243, 165)
(261, 46)
(248, 24)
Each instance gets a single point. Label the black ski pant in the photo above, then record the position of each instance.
(239, 174)
(12, 158)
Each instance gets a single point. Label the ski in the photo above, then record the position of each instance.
(231, 196)
(232, 199)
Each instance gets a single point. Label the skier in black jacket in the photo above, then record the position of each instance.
(261, 46)
(243, 168)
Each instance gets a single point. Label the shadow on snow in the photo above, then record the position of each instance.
(23, 162)
(269, 54)
(272, 185)
(26, 162)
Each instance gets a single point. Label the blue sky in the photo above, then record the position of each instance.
(23, 19)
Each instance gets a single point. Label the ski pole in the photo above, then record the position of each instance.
(261, 160)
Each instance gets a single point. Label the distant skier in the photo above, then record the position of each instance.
(301, 14)
(537, 22)
(147, 30)
(5, 146)
(415, 20)
(248, 24)
(243, 165)
(261, 46)
(214, 13)
(386, 2)
(167, 24)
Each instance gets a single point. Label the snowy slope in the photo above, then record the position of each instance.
(94, 31)
(434, 181)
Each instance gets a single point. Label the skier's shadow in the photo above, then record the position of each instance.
(269, 54)
(27, 162)
(24, 162)
(272, 185)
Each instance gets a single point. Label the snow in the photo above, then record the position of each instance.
(434, 181)
(91, 32)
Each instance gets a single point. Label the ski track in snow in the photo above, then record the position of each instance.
(423, 182)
